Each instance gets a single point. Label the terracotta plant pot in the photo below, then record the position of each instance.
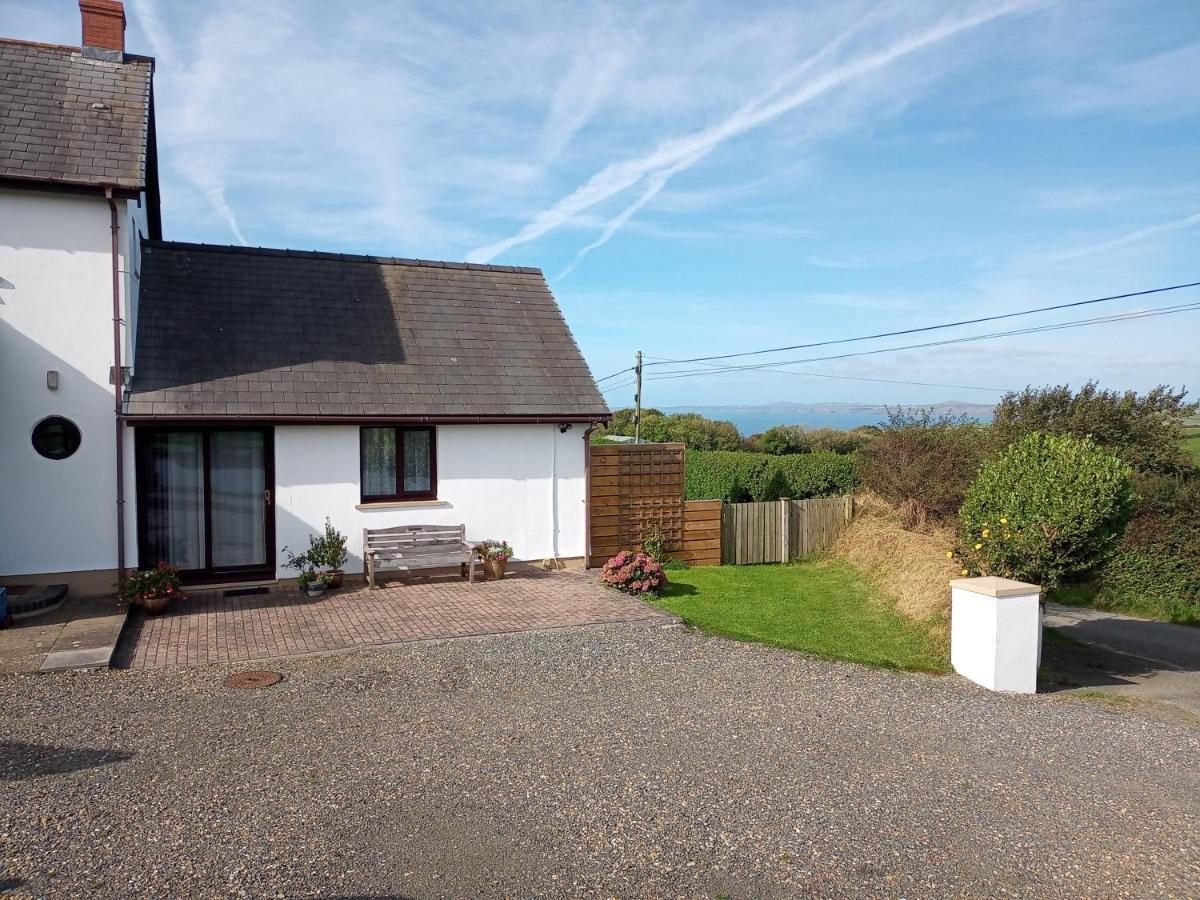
(335, 580)
(495, 568)
(154, 605)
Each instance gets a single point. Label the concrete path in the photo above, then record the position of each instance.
(1129, 658)
(81, 633)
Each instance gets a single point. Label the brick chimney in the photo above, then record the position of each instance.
(103, 29)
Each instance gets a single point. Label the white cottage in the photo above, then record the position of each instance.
(249, 394)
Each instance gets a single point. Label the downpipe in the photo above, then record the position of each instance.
(587, 494)
(118, 379)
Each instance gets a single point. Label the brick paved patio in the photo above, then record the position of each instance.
(212, 628)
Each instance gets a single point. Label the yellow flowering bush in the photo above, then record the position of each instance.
(1062, 505)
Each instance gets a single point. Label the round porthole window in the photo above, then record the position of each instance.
(56, 437)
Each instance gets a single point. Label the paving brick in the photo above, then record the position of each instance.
(212, 628)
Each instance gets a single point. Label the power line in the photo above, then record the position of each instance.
(960, 387)
(625, 384)
(883, 334)
(960, 340)
(615, 374)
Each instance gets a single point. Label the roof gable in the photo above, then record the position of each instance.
(226, 331)
(72, 120)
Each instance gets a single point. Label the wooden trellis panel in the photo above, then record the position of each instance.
(635, 489)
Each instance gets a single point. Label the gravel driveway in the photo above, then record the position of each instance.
(606, 761)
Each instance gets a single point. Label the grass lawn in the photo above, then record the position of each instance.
(1191, 443)
(824, 607)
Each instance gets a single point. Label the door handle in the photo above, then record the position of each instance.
(267, 496)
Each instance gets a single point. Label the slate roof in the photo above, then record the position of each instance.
(234, 331)
(66, 118)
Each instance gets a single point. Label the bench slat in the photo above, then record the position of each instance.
(461, 552)
(417, 549)
(421, 540)
(418, 529)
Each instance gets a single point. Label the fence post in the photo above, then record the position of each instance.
(785, 539)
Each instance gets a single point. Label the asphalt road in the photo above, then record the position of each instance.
(610, 761)
(1173, 646)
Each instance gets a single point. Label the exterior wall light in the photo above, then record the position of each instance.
(52, 380)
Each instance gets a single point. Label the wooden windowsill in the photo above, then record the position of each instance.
(402, 504)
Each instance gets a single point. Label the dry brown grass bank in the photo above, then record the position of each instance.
(910, 567)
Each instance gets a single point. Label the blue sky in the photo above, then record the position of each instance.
(699, 178)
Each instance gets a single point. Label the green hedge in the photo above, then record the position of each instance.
(736, 475)
(1161, 584)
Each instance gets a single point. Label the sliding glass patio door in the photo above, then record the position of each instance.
(204, 501)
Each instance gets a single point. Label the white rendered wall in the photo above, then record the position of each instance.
(56, 314)
(494, 478)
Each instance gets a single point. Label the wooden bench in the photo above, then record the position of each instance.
(408, 547)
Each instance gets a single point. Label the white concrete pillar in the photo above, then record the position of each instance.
(996, 632)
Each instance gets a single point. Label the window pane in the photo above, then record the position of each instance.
(174, 500)
(237, 479)
(56, 437)
(416, 461)
(379, 462)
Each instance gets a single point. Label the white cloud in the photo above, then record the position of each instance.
(1090, 198)
(593, 72)
(1150, 86)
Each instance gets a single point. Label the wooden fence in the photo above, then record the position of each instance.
(635, 490)
(781, 530)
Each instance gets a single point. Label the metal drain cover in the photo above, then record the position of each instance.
(253, 679)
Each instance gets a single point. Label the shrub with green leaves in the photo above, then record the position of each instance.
(1141, 581)
(1047, 509)
(776, 486)
(692, 429)
(737, 476)
(1156, 570)
(1146, 430)
(922, 463)
(784, 439)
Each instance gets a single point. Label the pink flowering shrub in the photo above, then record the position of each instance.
(634, 573)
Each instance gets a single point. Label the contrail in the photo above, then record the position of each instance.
(675, 155)
(1133, 236)
(198, 169)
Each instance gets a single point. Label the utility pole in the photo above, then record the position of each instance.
(637, 401)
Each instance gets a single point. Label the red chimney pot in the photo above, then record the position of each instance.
(103, 28)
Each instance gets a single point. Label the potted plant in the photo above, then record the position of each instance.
(326, 554)
(329, 550)
(152, 589)
(313, 582)
(309, 579)
(495, 556)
